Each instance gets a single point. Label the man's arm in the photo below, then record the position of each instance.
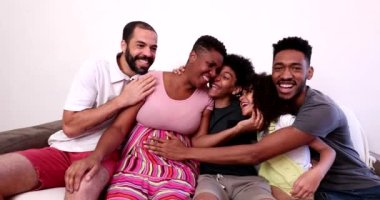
(272, 145)
(76, 123)
(283, 140)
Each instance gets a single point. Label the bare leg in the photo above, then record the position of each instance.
(17, 175)
(279, 194)
(92, 189)
(206, 196)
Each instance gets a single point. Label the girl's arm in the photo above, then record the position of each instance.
(309, 181)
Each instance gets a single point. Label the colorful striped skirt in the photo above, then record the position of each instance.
(143, 175)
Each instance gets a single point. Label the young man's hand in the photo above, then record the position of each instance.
(171, 148)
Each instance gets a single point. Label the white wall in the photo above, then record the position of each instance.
(43, 42)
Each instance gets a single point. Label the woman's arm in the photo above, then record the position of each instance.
(116, 133)
(107, 143)
(309, 181)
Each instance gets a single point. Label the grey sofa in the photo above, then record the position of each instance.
(26, 138)
(37, 136)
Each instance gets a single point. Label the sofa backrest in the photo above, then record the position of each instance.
(358, 136)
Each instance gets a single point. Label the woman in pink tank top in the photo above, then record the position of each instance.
(180, 105)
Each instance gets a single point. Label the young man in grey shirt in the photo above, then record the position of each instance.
(316, 116)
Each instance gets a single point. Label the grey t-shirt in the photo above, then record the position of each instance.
(321, 117)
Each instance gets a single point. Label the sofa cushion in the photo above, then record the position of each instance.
(26, 138)
(52, 193)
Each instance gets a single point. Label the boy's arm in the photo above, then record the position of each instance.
(309, 181)
(203, 139)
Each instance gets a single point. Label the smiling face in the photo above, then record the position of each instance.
(224, 84)
(140, 51)
(289, 74)
(246, 102)
(202, 66)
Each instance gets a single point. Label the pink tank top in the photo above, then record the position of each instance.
(162, 112)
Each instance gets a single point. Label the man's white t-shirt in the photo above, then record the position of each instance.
(97, 82)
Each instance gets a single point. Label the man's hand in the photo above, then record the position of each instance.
(171, 148)
(254, 123)
(74, 174)
(137, 90)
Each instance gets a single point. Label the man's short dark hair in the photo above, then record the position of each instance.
(209, 43)
(130, 27)
(242, 67)
(293, 43)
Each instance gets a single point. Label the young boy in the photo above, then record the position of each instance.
(229, 181)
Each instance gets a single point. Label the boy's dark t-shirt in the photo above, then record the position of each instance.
(222, 119)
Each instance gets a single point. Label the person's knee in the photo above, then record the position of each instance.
(91, 189)
(85, 192)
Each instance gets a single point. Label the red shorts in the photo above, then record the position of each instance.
(51, 164)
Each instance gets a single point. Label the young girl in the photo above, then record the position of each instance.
(290, 174)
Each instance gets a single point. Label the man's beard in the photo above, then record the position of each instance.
(131, 61)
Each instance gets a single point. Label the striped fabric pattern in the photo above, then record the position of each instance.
(140, 187)
(141, 172)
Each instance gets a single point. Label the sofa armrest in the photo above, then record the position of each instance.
(28, 137)
(376, 163)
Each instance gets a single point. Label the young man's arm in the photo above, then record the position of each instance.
(76, 123)
(282, 141)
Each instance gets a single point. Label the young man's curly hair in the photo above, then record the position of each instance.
(293, 43)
